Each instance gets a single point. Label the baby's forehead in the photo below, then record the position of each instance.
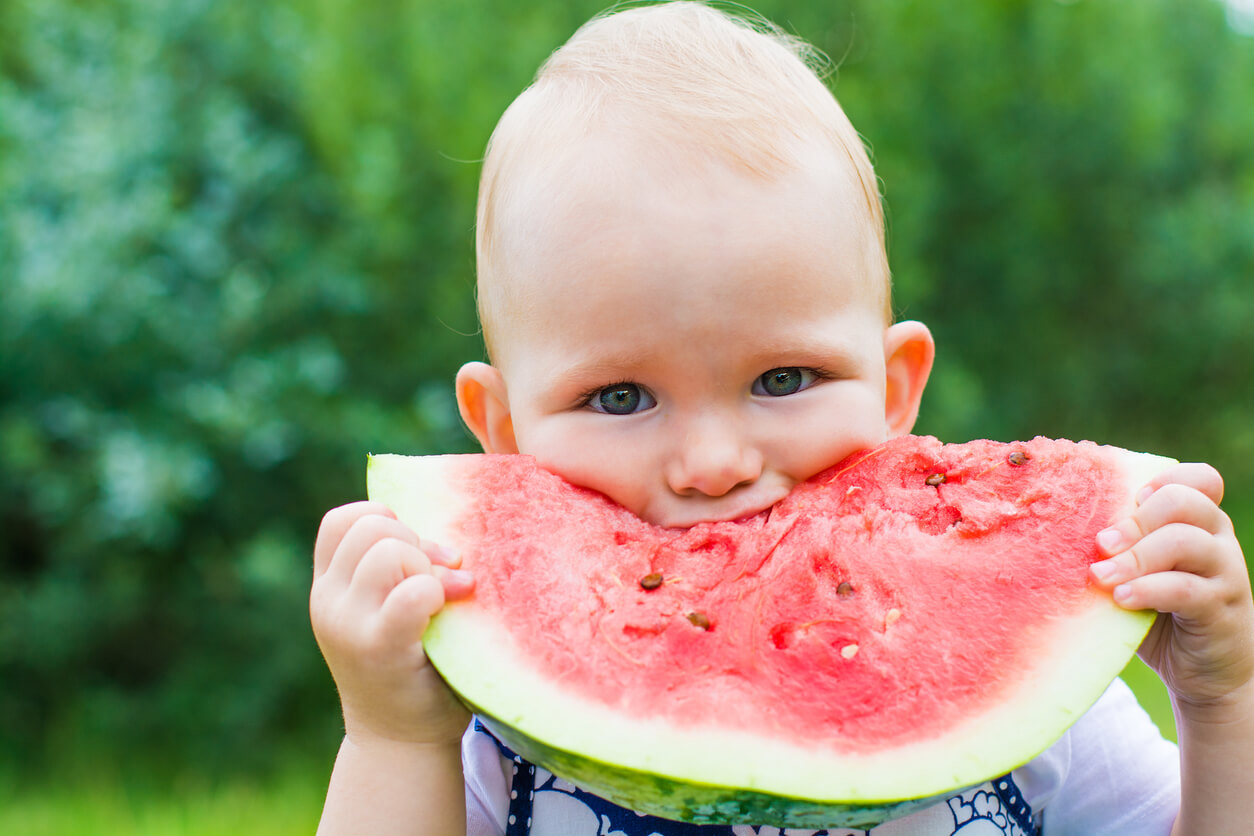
(624, 194)
(563, 150)
(583, 180)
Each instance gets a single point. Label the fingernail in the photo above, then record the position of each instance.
(463, 582)
(1108, 539)
(456, 576)
(1143, 494)
(1103, 570)
(453, 555)
(1122, 593)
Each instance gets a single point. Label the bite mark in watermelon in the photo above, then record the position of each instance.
(916, 619)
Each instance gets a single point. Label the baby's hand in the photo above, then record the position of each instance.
(1177, 553)
(375, 587)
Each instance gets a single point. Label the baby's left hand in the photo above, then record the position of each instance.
(1177, 553)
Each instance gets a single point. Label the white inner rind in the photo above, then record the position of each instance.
(1078, 658)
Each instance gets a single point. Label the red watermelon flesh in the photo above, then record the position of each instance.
(911, 619)
(884, 602)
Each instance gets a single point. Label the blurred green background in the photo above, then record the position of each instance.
(236, 254)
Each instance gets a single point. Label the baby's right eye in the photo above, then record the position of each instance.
(621, 399)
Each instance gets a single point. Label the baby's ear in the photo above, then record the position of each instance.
(484, 405)
(908, 353)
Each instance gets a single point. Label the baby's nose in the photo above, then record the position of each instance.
(713, 461)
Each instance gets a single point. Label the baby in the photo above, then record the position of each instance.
(685, 296)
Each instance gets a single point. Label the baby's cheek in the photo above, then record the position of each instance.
(599, 466)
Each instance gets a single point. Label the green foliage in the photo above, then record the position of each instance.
(1073, 215)
(236, 254)
(201, 341)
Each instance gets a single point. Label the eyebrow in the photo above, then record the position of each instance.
(827, 351)
(605, 367)
(832, 356)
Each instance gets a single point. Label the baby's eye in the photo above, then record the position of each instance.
(621, 399)
(784, 381)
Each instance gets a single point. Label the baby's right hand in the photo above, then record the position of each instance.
(376, 585)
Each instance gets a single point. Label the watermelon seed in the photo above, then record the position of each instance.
(936, 479)
(891, 616)
(699, 619)
(1018, 457)
(651, 581)
(849, 651)
(845, 588)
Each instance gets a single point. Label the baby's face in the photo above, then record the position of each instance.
(694, 342)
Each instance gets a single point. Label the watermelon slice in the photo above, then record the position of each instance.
(917, 619)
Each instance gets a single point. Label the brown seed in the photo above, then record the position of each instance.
(651, 581)
(1017, 458)
(699, 619)
(845, 588)
(936, 479)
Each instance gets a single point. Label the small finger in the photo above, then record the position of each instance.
(335, 524)
(1189, 596)
(458, 583)
(440, 554)
(1197, 475)
(1174, 547)
(409, 607)
(364, 533)
(1168, 505)
(384, 566)
(1177, 503)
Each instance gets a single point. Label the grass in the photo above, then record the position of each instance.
(107, 802)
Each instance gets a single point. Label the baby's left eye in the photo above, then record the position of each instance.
(784, 381)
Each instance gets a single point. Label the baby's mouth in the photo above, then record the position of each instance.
(719, 509)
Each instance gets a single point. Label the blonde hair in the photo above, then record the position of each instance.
(688, 75)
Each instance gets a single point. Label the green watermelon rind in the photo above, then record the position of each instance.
(711, 774)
